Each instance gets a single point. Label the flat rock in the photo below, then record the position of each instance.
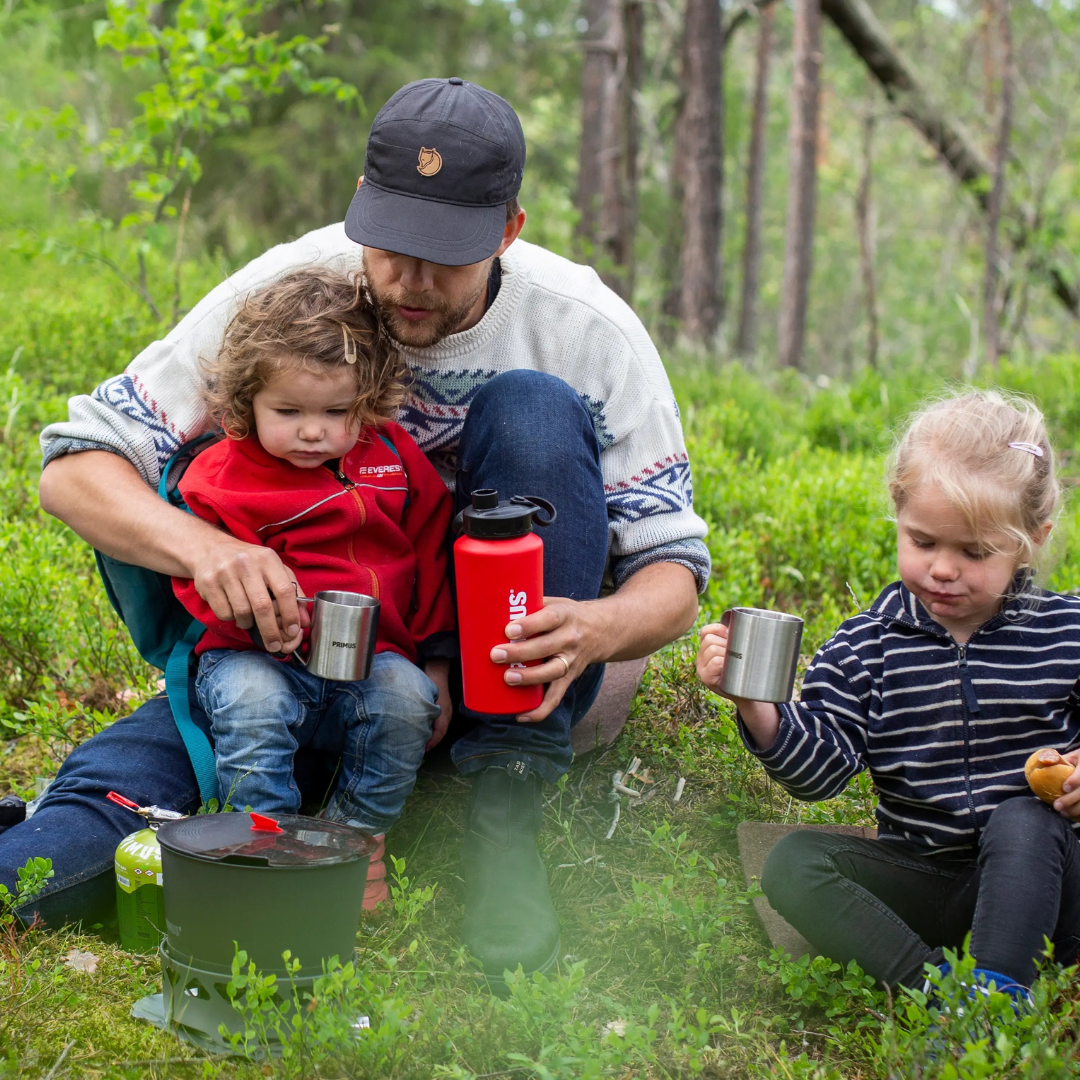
(756, 840)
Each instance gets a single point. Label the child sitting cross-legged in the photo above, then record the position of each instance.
(313, 467)
(942, 689)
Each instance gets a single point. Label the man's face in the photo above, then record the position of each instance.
(423, 302)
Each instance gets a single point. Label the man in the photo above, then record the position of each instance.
(529, 376)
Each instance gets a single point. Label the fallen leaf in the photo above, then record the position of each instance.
(78, 960)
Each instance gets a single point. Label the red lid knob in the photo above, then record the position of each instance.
(262, 823)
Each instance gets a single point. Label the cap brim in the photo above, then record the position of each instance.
(436, 231)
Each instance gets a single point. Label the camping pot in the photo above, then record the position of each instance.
(762, 654)
(263, 885)
(343, 630)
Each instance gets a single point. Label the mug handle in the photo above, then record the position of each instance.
(725, 619)
(302, 599)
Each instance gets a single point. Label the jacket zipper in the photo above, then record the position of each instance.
(969, 704)
(350, 487)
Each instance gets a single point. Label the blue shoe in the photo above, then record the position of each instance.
(1021, 995)
(983, 979)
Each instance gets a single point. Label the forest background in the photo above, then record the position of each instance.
(147, 150)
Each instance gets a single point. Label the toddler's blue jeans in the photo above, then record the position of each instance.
(526, 433)
(263, 710)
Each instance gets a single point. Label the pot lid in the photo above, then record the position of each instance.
(285, 840)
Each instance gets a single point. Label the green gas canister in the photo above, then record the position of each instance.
(140, 893)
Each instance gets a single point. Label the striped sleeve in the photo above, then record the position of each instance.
(821, 743)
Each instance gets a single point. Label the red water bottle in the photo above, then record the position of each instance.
(499, 568)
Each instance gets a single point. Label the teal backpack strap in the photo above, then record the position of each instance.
(161, 629)
(177, 677)
(397, 453)
(178, 666)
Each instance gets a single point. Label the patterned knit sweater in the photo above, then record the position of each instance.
(550, 315)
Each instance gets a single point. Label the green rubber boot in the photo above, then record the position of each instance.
(509, 917)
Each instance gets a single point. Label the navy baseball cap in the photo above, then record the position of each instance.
(443, 159)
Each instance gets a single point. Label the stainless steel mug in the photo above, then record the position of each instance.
(343, 630)
(762, 654)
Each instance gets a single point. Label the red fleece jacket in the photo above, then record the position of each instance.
(376, 526)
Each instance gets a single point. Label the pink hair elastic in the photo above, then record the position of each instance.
(1028, 447)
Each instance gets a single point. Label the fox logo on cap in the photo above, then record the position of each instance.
(430, 161)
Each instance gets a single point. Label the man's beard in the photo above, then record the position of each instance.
(421, 335)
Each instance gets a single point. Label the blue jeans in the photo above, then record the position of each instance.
(526, 433)
(262, 711)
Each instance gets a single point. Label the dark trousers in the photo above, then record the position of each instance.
(892, 908)
(526, 433)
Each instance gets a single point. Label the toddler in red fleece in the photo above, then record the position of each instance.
(312, 467)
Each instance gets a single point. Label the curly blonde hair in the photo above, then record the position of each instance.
(313, 319)
(989, 455)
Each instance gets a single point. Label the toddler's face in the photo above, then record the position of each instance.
(301, 416)
(959, 578)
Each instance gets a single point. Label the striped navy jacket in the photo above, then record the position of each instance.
(944, 728)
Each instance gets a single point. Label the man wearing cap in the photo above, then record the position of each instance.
(530, 376)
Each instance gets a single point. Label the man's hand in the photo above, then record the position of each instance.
(103, 498)
(438, 671)
(652, 608)
(566, 635)
(249, 585)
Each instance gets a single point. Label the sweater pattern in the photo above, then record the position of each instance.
(549, 315)
(127, 395)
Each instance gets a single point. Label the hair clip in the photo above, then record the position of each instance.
(1028, 447)
(350, 358)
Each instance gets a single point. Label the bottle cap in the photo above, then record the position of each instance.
(491, 519)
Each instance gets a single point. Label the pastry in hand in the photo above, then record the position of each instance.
(1046, 771)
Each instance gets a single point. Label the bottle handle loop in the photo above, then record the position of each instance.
(540, 504)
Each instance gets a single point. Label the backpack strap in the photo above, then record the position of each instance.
(178, 666)
(177, 684)
(397, 453)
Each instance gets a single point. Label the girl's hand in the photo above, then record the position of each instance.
(762, 719)
(712, 652)
(438, 671)
(1069, 803)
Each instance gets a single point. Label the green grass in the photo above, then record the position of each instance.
(664, 970)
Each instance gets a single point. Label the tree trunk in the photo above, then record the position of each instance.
(607, 174)
(700, 154)
(866, 226)
(857, 22)
(747, 338)
(991, 301)
(986, 47)
(802, 182)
